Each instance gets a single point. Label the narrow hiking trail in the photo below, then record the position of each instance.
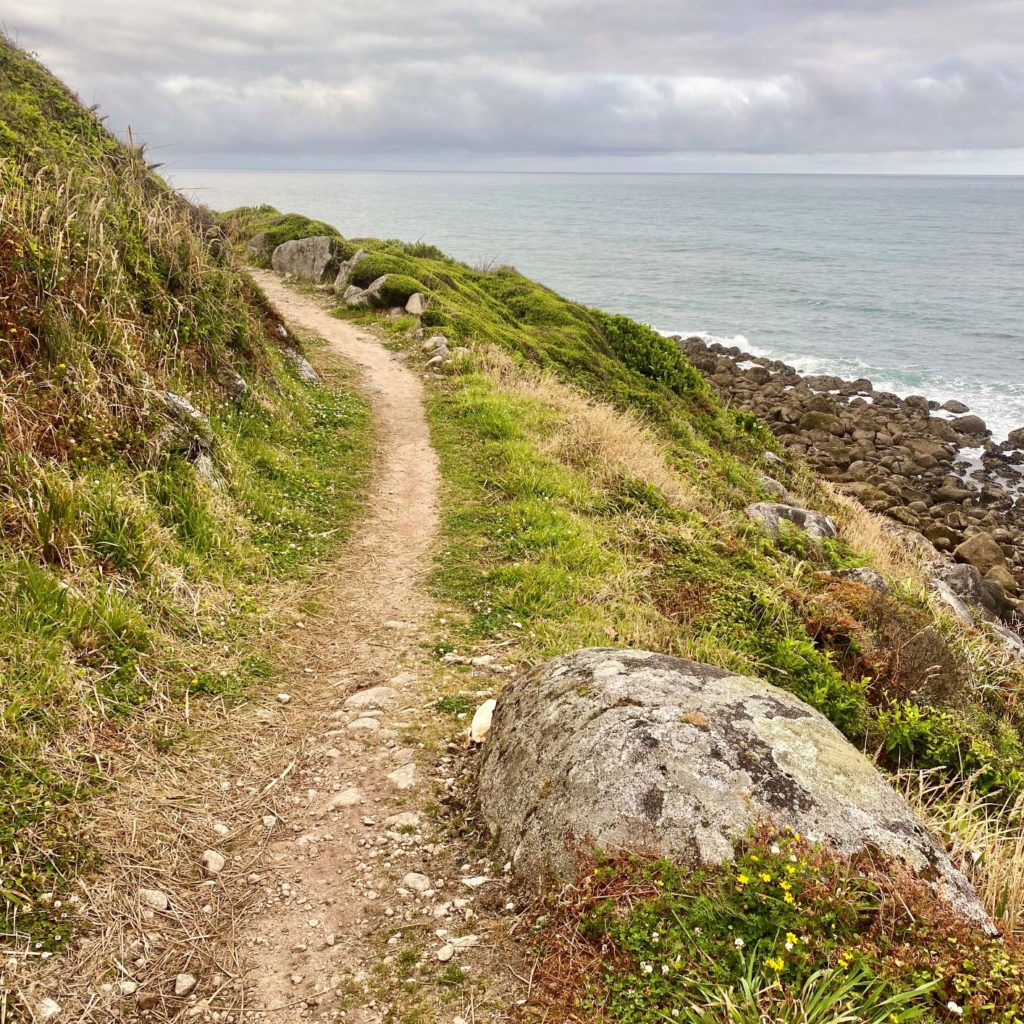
(339, 896)
(359, 880)
(307, 946)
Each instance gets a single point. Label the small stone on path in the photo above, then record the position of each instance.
(364, 725)
(404, 777)
(184, 984)
(154, 899)
(445, 953)
(213, 863)
(404, 819)
(376, 697)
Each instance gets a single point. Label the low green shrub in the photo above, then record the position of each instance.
(786, 932)
(397, 289)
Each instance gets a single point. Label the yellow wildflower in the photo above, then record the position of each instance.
(776, 963)
(765, 877)
(742, 879)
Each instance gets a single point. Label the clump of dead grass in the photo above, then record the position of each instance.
(984, 835)
(608, 444)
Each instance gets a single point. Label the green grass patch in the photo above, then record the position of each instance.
(786, 933)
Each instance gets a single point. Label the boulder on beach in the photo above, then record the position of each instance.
(969, 424)
(636, 751)
(981, 551)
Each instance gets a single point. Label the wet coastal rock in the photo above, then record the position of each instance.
(934, 468)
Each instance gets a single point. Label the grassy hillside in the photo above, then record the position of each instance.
(160, 464)
(594, 495)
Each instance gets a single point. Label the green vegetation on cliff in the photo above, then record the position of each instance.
(596, 494)
(160, 463)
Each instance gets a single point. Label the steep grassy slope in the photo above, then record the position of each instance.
(594, 495)
(160, 462)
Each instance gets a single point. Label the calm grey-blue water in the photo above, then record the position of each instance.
(914, 282)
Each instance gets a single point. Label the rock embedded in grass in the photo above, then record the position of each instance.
(417, 304)
(770, 515)
(154, 899)
(212, 863)
(184, 984)
(317, 258)
(634, 751)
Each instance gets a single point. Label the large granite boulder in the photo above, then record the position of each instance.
(967, 582)
(317, 258)
(629, 750)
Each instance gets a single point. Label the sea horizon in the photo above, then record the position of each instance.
(910, 280)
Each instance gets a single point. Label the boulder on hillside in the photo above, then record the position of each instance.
(258, 247)
(970, 586)
(417, 304)
(302, 365)
(344, 275)
(368, 296)
(770, 514)
(636, 751)
(315, 259)
(186, 431)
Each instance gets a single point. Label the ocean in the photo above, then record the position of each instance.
(916, 283)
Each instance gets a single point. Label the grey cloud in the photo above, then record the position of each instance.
(548, 79)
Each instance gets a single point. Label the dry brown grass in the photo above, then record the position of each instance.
(984, 836)
(225, 765)
(874, 536)
(605, 443)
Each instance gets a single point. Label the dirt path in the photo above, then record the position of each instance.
(337, 896)
(308, 946)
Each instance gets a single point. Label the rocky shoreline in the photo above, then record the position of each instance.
(932, 467)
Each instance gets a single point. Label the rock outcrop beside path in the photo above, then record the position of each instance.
(635, 751)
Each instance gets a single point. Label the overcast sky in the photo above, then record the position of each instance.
(548, 84)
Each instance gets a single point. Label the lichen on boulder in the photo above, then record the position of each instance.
(635, 751)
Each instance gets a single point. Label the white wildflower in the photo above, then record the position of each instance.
(738, 943)
(953, 1008)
